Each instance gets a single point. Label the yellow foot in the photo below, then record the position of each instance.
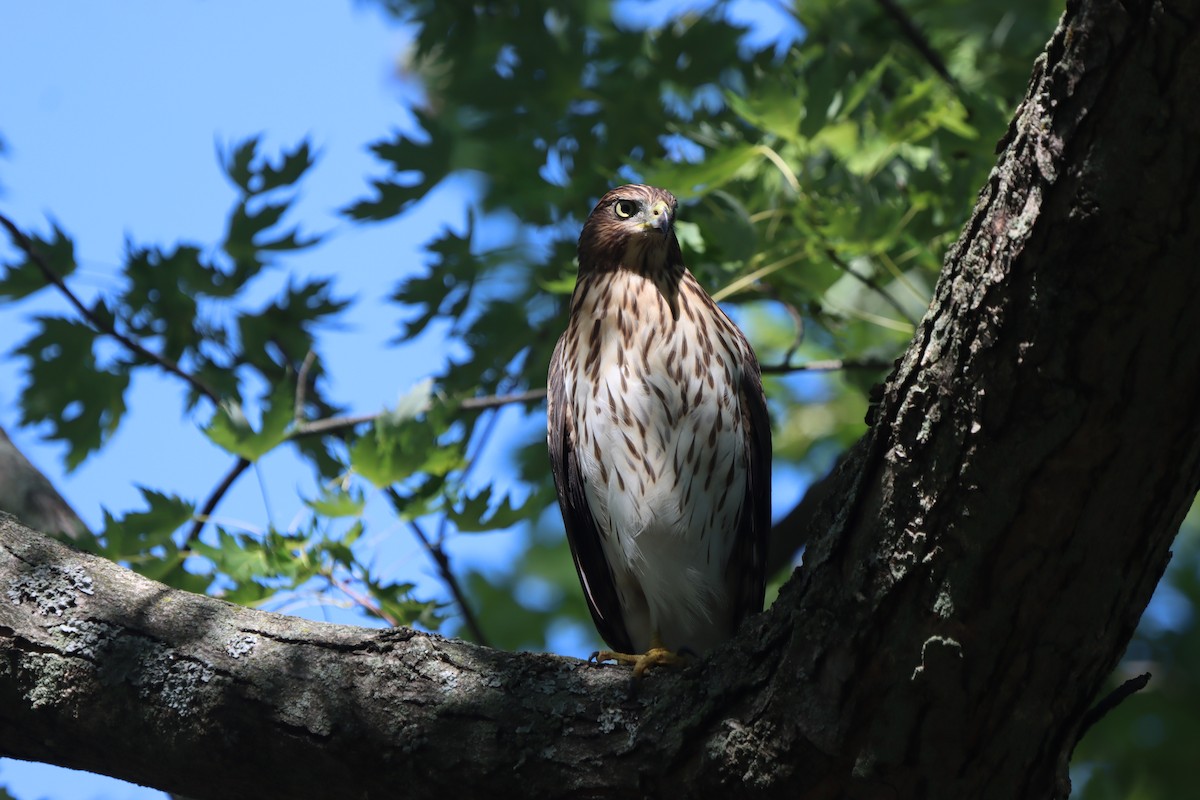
(654, 657)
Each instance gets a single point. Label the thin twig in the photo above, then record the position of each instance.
(210, 505)
(302, 386)
(331, 425)
(22, 241)
(361, 600)
(334, 424)
(828, 365)
(910, 30)
(917, 39)
(797, 320)
(497, 400)
(443, 565)
(870, 283)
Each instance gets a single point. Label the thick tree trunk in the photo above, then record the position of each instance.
(981, 563)
(1037, 446)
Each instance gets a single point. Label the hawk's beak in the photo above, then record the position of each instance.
(660, 217)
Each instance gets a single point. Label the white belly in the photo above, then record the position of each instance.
(664, 466)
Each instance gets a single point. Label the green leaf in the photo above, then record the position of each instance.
(690, 239)
(776, 109)
(254, 175)
(247, 237)
(82, 400)
(239, 557)
(861, 89)
(446, 288)
(340, 549)
(128, 537)
(338, 503)
(292, 240)
(275, 338)
(478, 514)
(718, 168)
(842, 138)
(404, 443)
(396, 600)
(250, 231)
(291, 168)
(237, 163)
(423, 495)
(162, 292)
(23, 278)
(230, 430)
(728, 232)
(417, 168)
(246, 223)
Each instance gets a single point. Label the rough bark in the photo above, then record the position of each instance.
(981, 561)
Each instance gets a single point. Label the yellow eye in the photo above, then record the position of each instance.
(625, 208)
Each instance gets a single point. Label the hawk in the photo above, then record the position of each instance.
(659, 441)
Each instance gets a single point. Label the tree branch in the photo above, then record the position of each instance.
(870, 283)
(917, 39)
(298, 415)
(442, 561)
(1111, 700)
(323, 427)
(210, 505)
(827, 365)
(281, 704)
(358, 598)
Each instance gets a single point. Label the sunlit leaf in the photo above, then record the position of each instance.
(337, 503)
(230, 430)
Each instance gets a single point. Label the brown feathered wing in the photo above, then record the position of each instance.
(582, 532)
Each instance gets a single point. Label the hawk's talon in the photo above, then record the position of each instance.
(654, 657)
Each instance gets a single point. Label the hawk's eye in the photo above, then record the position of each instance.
(625, 208)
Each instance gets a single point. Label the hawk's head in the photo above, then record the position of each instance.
(632, 227)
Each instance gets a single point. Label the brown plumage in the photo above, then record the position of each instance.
(659, 439)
